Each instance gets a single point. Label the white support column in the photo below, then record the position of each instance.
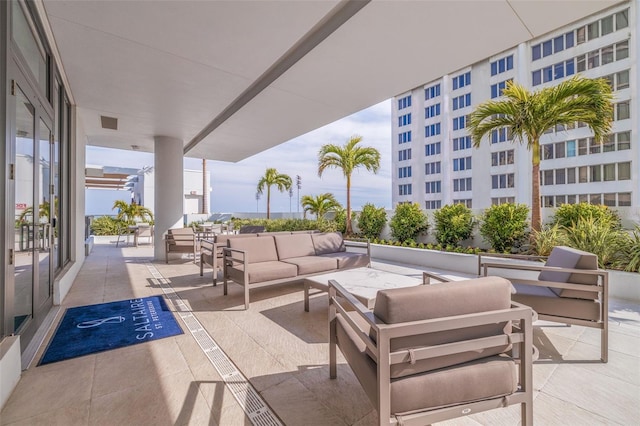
(169, 188)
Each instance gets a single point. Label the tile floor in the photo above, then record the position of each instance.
(283, 351)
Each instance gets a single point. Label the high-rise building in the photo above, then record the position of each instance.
(435, 163)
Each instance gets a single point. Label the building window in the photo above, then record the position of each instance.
(560, 177)
(432, 111)
(622, 80)
(622, 111)
(432, 130)
(571, 148)
(622, 50)
(432, 149)
(593, 30)
(460, 164)
(462, 80)
(624, 140)
(404, 189)
(622, 19)
(432, 92)
(404, 172)
(571, 175)
(463, 184)
(404, 154)
(433, 187)
(433, 204)
(502, 181)
(404, 120)
(609, 200)
(404, 102)
(609, 172)
(624, 199)
(624, 171)
(571, 199)
(546, 48)
(463, 142)
(595, 173)
(502, 65)
(404, 137)
(432, 168)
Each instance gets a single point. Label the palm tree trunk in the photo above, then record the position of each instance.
(349, 230)
(268, 201)
(536, 214)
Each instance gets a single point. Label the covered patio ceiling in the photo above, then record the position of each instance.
(234, 78)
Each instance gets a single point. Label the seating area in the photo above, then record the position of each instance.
(268, 260)
(282, 353)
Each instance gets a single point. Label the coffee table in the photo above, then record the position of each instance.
(363, 283)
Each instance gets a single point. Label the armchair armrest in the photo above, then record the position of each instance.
(426, 277)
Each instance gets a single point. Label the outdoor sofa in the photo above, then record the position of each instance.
(180, 240)
(268, 260)
(569, 288)
(430, 353)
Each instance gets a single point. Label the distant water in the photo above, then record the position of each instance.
(99, 202)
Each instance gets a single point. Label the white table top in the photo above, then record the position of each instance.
(363, 283)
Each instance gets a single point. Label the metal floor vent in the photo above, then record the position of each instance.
(249, 399)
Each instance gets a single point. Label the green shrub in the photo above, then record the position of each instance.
(598, 237)
(549, 237)
(277, 225)
(106, 225)
(453, 223)
(504, 226)
(567, 214)
(408, 222)
(371, 221)
(630, 252)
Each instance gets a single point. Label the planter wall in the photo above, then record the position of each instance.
(622, 285)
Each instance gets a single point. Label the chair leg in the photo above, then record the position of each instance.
(604, 345)
(526, 411)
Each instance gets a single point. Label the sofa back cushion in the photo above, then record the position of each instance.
(183, 236)
(296, 245)
(331, 242)
(567, 257)
(259, 249)
(438, 301)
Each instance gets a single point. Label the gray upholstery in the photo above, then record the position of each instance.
(348, 260)
(264, 271)
(260, 249)
(545, 301)
(312, 264)
(468, 323)
(567, 257)
(294, 245)
(331, 242)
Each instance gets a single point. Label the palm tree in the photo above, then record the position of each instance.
(348, 158)
(528, 115)
(272, 177)
(129, 212)
(320, 205)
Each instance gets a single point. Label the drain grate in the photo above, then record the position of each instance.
(249, 399)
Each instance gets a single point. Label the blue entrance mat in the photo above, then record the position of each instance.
(95, 328)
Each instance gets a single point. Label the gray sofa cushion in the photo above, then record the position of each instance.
(567, 257)
(297, 245)
(331, 242)
(264, 271)
(312, 264)
(348, 259)
(259, 249)
(438, 301)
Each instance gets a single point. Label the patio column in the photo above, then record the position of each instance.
(168, 189)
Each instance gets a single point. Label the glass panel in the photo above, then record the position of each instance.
(607, 55)
(622, 50)
(609, 171)
(593, 30)
(622, 111)
(624, 141)
(24, 214)
(622, 19)
(29, 45)
(610, 200)
(571, 175)
(583, 198)
(622, 80)
(624, 199)
(624, 171)
(607, 25)
(571, 199)
(44, 216)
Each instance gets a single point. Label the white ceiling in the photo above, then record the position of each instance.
(170, 67)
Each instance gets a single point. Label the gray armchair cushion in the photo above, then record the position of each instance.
(438, 301)
(567, 257)
(328, 243)
(260, 249)
(297, 245)
(545, 301)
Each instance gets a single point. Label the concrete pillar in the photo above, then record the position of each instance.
(169, 188)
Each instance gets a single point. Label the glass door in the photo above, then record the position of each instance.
(25, 214)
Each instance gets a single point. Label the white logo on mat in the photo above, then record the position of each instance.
(99, 322)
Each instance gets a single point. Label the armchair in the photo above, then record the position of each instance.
(569, 289)
(431, 353)
(180, 240)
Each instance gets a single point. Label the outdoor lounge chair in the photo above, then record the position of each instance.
(569, 289)
(180, 240)
(435, 352)
(144, 230)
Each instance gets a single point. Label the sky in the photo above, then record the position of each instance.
(234, 184)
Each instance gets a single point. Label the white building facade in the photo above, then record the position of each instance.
(435, 164)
